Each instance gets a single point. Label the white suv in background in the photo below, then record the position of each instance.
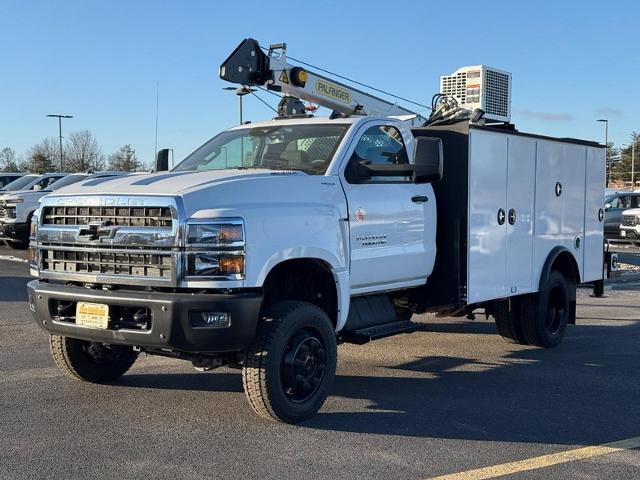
(630, 226)
(17, 207)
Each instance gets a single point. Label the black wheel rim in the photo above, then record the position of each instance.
(556, 310)
(303, 366)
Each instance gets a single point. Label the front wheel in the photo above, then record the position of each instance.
(546, 314)
(289, 369)
(90, 361)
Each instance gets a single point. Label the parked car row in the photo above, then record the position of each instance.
(20, 198)
(622, 216)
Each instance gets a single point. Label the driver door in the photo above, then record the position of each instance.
(386, 215)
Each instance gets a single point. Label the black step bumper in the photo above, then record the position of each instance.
(170, 325)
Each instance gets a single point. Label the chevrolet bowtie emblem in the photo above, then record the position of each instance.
(96, 231)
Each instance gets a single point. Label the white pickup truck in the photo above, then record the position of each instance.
(275, 241)
(17, 206)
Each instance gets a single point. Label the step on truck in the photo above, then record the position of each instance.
(276, 241)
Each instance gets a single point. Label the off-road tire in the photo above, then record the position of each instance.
(546, 314)
(508, 316)
(72, 357)
(264, 372)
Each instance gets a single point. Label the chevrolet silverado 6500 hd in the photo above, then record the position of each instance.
(275, 241)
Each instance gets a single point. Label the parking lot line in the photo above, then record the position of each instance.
(543, 461)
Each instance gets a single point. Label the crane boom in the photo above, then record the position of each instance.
(249, 65)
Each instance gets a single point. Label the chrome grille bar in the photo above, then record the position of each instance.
(119, 216)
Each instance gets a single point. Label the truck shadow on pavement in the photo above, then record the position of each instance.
(14, 289)
(582, 392)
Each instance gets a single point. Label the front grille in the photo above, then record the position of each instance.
(116, 216)
(629, 221)
(7, 212)
(130, 263)
(109, 240)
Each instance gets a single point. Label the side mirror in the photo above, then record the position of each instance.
(37, 188)
(162, 160)
(428, 159)
(607, 206)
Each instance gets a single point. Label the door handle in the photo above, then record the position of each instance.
(419, 198)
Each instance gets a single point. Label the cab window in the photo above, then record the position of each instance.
(381, 144)
(45, 183)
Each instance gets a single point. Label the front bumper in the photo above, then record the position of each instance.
(170, 327)
(14, 231)
(630, 232)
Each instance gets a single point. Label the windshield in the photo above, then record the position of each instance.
(306, 148)
(68, 180)
(19, 184)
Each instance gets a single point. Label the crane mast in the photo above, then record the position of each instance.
(249, 65)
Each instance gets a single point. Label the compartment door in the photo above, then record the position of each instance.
(487, 216)
(549, 173)
(521, 171)
(593, 225)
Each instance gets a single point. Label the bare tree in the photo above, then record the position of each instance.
(124, 160)
(82, 152)
(9, 162)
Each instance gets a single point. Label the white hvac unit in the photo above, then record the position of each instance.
(481, 87)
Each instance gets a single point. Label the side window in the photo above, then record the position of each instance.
(634, 201)
(41, 184)
(616, 203)
(625, 201)
(381, 144)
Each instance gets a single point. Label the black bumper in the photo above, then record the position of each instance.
(170, 327)
(14, 231)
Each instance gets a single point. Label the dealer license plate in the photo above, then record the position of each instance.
(93, 315)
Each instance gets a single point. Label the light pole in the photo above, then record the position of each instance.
(606, 151)
(60, 117)
(633, 162)
(241, 91)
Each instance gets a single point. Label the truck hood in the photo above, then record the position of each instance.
(23, 194)
(224, 192)
(632, 211)
(166, 183)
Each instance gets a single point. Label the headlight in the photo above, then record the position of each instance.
(211, 264)
(215, 249)
(216, 234)
(33, 228)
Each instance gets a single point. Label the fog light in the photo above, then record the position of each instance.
(210, 319)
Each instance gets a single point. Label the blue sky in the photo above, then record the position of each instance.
(572, 61)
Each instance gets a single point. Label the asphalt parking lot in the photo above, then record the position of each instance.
(446, 400)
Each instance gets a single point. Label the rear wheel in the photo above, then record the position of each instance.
(546, 314)
(508, 315)
(289, 369)
(90, 361)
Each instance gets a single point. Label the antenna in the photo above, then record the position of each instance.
(155, 149)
